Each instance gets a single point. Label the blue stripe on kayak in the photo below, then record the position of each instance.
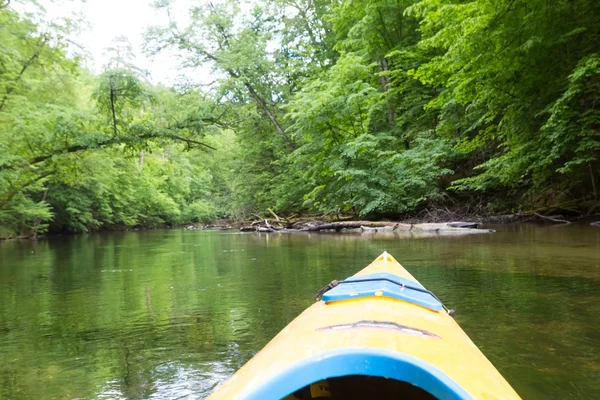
(390, 285)
(359, 361)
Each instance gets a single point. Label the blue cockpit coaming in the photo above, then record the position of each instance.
(383, 285)
(359, 361)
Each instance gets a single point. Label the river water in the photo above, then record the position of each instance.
(171, 314)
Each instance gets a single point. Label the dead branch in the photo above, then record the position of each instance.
(269, 226)
(562, 221)
(275, 215)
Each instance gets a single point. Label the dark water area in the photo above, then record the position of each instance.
(171, 314)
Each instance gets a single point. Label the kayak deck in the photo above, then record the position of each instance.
(383, 284)
(374, 327)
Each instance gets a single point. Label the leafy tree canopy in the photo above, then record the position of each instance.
(374, 108)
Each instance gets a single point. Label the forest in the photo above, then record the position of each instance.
(367, 108)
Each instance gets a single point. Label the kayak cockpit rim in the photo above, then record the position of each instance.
(358, 361)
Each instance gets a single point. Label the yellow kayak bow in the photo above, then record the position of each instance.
(377, 334)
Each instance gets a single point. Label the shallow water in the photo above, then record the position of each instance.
(171, 314)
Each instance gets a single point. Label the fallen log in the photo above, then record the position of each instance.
(388, 228)
(462, 224)
(446, 228)
(366, 226)
(346, 225)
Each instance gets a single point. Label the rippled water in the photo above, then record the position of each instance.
(171, 314)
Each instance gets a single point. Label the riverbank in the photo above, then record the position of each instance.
(428, 220)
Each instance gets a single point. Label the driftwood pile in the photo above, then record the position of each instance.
(282, 225)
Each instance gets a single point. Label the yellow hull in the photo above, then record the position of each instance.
(374, 335)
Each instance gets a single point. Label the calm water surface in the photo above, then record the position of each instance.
(171, 314)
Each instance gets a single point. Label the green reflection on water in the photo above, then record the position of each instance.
(171, 314)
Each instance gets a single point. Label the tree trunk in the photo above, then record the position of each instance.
(384, 81)
(593, 179)
(141, 161)
(112, 107)
(270, 115)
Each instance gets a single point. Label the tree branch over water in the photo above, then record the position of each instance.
(102, 144)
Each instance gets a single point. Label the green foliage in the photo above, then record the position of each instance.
(26, 215)
(120, 93)
(81, 153)
(368, 144)
(200, 211)
(524, 73)
(572, 127)
(375, 108)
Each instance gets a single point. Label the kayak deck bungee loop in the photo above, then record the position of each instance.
(325, 289)
(376, 285)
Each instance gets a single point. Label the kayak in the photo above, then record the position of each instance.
(376, 334)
